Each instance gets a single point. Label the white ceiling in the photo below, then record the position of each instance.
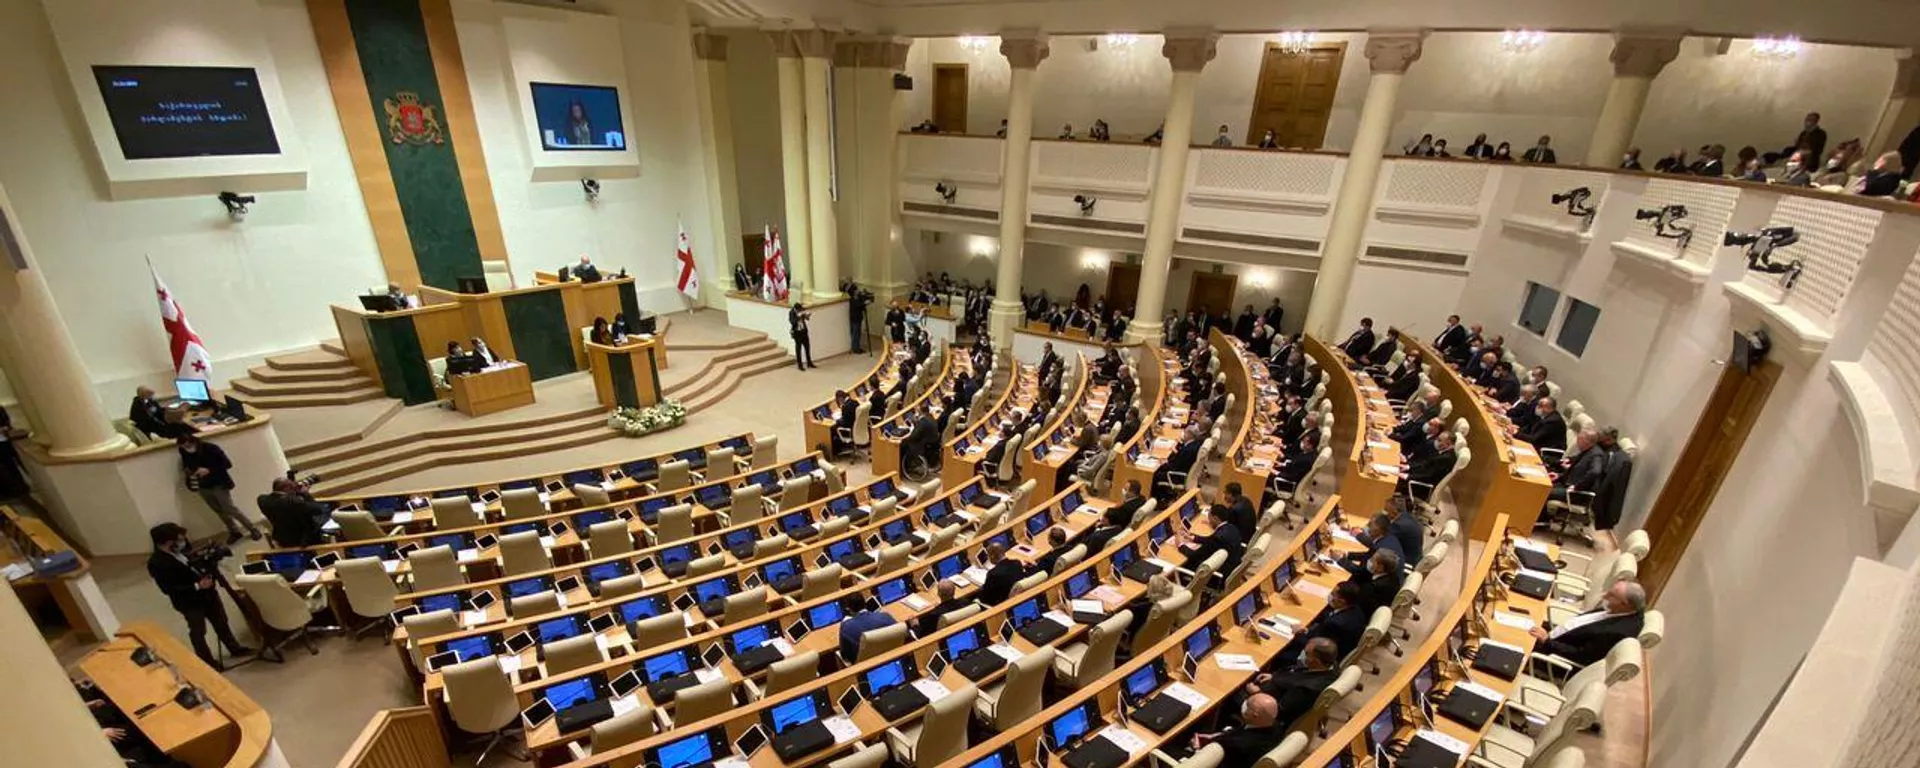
(1876, 22)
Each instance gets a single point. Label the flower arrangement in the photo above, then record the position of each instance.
(634, 422)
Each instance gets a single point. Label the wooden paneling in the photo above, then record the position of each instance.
(1294, 96)
(950, 97)
(490, 391)
(1123, 287)
(399, 738)
(364, 144)
(1211, 293)
(439, 324)
(352, 327)
(457, 99)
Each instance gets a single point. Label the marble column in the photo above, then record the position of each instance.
(1389, 53)
(1024, 49)
(1187, 52)
(816, 52)
(797, 240)
(717, 160)
(1901, 113)
(1637, 60)
(46, 369)
(43, 721)
(868, 141)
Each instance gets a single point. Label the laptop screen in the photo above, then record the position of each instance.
(609, 570)
(680, 554)
(960, 644)
(895, 531)
(794, 522)
(1039, 522)
(890, 592)
(711, 589)
(841, 505)
(1072, 501)
(457, 541)
(1200, 643)
(691, 751)
(1283, 576)
(569, 693)
(1380, 731)
(1026, 612)
(1160, 533)
(750, 638)
(824, 615)
(881, 489)
(969, 493)
(643, 608)
(950, 566)
(740, 538)
(471, 648)
(451, 601)
(591, 518)
(288, 561)
(585, 477)
(561, 628)
(1142, 682)
(532, 586)
(1070, 726)
(938, 511)
(779, 570)
(1243, 610)
(841, 548)
(800, 711)
(885, 677)
(665, 665)
(1124, 557)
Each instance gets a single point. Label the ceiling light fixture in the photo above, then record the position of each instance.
(1521, 40)
(1295, 42)
(1775, 48)
(975, 43)
(1121, 41)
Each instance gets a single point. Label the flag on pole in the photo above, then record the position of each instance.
(689, 275)
(190, 358)
(776, 268)
(766, 263)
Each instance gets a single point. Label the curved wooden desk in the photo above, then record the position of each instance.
(1367, 460)
(958, 460)
(229, 730)
(1156, 393)
(817, 422)
(1506, 476)
(886, 447)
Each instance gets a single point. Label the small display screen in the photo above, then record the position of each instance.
(578, 117)
(162, 112)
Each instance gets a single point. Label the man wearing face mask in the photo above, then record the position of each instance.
(1796, 174)
(1631, 161)
(191, 590)
(1223, 140)
(1295, 682)
(1548, 432)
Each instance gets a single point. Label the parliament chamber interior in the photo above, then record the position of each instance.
(969, 383)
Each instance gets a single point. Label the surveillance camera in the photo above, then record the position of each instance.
(1760, 247)
(1086, 203)
(592, 188)
(946, 192)
(236, 204)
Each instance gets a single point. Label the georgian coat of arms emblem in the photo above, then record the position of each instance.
(411, 122)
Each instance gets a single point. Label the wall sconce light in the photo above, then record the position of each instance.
(1775, 49)
(1092, 260)
(981, 246)
(1295, 42)
(1121, 42)
(1518, 41)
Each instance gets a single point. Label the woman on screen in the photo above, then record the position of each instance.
(579, 129)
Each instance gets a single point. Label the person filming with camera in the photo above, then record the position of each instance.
(189, 578)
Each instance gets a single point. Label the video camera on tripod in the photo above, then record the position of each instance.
(1760, 246)
(1576, 202)
(1665, 224)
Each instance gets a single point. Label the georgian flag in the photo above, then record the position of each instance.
(190, 358)
(689, 282)
(773, 261)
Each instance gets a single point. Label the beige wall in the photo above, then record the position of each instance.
(753, 92)
(1737, 100)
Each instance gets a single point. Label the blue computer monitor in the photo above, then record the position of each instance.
(679, 554)
(1080, 584)
(795, 522)
(1423, 680)
(1004, 540)
(1201, 642)
(1141, 683)
(881, 489)
(1243, 610)
(1071, 502)
(584, 477)
(665, 665)
(750, 638)
(611, 569)
(1160, 533)
(712, 589)
(764, 479)
(842, 548)
(571, 693)
(938, 511)
(1124, 557)
(884, 678)
(1283, 576)
(780, 569)
(475, 647)
(288, 561)
(1039, 522)
(1070, 726)
(970, 492)
(890, 592)
(591, 518)
(555, 630)
(1004, 757)
(698, 749)
(805, 466)
(386, 503)
(714, 496)
(450, 601)
(458, 541)
(1189, 509)
(1026, 612)
(643, 469)
(1380, 731)
(895, 531)
(739, 538)
(950, 566)
(695, 457)
(961, 643)
(840, 506)
(788, 714)
(382, 551)
(531, 586)
(193, 390)
(513, 528)
(825, 615)
(514, 485)
(650, 508)
(642, 608)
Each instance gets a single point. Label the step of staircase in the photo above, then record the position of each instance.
(282, 400)
(324, 357)
(334, 385)
(393, 409)
(735, 376)
(714, 368)
(350, 482)
(268, 374)
(491, 433)
(360, 459)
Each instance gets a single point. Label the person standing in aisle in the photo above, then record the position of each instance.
(802, 345)
(206, 467)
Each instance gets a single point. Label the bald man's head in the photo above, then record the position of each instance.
(1259, 711)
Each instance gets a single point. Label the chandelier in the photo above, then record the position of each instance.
(1121, 41)
(975, 43)
(1295, 42)
(1521, 40)
(1775, 48)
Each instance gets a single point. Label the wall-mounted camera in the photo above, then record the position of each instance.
(592, 188)
(236, 204)
(1664, 223)
(1086, 203)
(1576, 202)
(1760, 247)
(946, 191)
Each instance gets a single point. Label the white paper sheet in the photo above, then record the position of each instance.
(1185, 694)
(1238, 662)
(307, 576)
(842, 728)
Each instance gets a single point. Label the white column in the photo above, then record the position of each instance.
(793, 160)
(1187, 52)
(868, 185)
(716, 154)
(1024, 49)
(816, 48)
(43, 721)
(45, 369)
(1637, 60)
(1902, 111)
(1389, 54)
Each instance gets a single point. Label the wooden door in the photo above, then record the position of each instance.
(752, 252)
(1294, 96)
(1123, 287)
(1711, 450)
(950, 97)
(1212, 294)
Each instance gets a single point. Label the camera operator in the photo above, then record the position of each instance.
(293, 515)
(858, 299)
(797, 320)
(188, 577)
(206, 468)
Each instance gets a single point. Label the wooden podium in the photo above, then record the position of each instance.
(504, 386)
(627, 374)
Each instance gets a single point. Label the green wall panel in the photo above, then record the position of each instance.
(630, 303)
(403, 365)
(538, 323)
(391, 39)
(620, 370)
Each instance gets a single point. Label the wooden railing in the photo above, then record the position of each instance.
(399, 738)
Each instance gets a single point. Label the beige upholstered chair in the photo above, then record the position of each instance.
(572, 653)
(794, 492)
(951, 618)
(787, 674)
(536, 604)
(1160, 619)
(770, 545)
(869, 756)
(1653, 628)
(766, 451)
(820, 582)
(745, 605)
(834, 526)
(698, 703)
(1286, 753)
(521, 503)
(1343, 686)
(616, 732)
(370, 591)
(1503, 747)
(674, 524)
(665, 629)
(285, 612)
(1209, 756)
(1541, 699)
(480, 700)
(622, 586)
(892, 557)
(454, 512)
(674, 475)
(421, 627)
(939, 736)
(609, 538)
(357, 526)
(720, 463)
(591, 495)
(431, 568)
(703, 566)
(1070, 558)
(1019, 695)
(879, 642)
(747, 506)
(523, 553)
(1080, 663)
(1032, 580)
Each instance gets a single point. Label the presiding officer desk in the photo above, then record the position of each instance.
(1505, 475)
(1098, 571)
(225, 729)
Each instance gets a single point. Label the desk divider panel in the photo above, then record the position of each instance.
(537, 321)
(403, 364)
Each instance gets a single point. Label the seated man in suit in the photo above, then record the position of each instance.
(1291, 420)
(1549, 430)
(999, 449)
(1381, 355)
(1469, 348)
(585, 271)
(1295, 682)
(1107, 366)
(1258, 731)
(1503, 386)
(1422, 444)
(1479, 370)
(1450, 336)
(857, 626)
(1342, 623)
(1185, 455)
(1520, 414)
(1379, 576)
(1424, 472)
(1239, 508)
(1056, 546)
(949, 602)
(1586, 638)
(1582, 470)
(1404, 526)
(1001, 577)
(1377, 535)
(1414, 418)
(1361, 342)
(843, 421)
(1298, 462)
(1223, 538)
(1404, 382)
(922, 443)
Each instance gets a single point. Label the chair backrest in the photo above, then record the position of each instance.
(674, 475)
(591, 495)
(835, 477)
(1637, 543)
(279, 607)
(1102, 642)
(497, 274)
(370, 591)
(1409, 594)
(564, 656)
(1430, 559)
(454, 512)
(1286, 753)
(1009, 461)
(521, 553)
(766, 451)
(609, 538)
(1203, 575)
(820, 582)
(1377, 627)
(622, 586)
(1160, 618)
(434, 568)
(884, 507)
(1070, 558)
(1023, 495)
(533, 605)
(794, 492)
(675, 523)
(479, 696)
(703, 701)
(943, 539)
(1209, 756)
(516, 503)
(792, 672)
(892, 557)
(876, 642)
(1023, 694)
(1575, 715)
(1450, 531)
(1343, 686)
(869, 756)
(943, 732)
(356, 525)
(745, 605)
(1029, 582)
(622, 729)
(659, 630)
(720, 462)
(701, 566)
(834, 526)
(1653, 628)
(1144, 513)
(421, 626)
(951, 618)
(770, 545)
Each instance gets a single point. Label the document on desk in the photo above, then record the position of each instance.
(1059, 618)
(1523, 451)
(916, 602)
(782, 645)
(17, 571)
(1312, 589)
(625, 704)
(708, 674)
(1342, 534)
(1237, 662)
(1087, 606)
(976, 574)
(842, 728)
(473, 618)
(1387, 469)
(306, 577)
(1378, 445)
(1527, 543)
(1514, 620)
(930, 688)
(1124, 739)
(1185, 694)
(1530, 470)
(1107, 595)
(390, 566)
(1442, 741)
(401, 518)
(509, 665)
(732, 762)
